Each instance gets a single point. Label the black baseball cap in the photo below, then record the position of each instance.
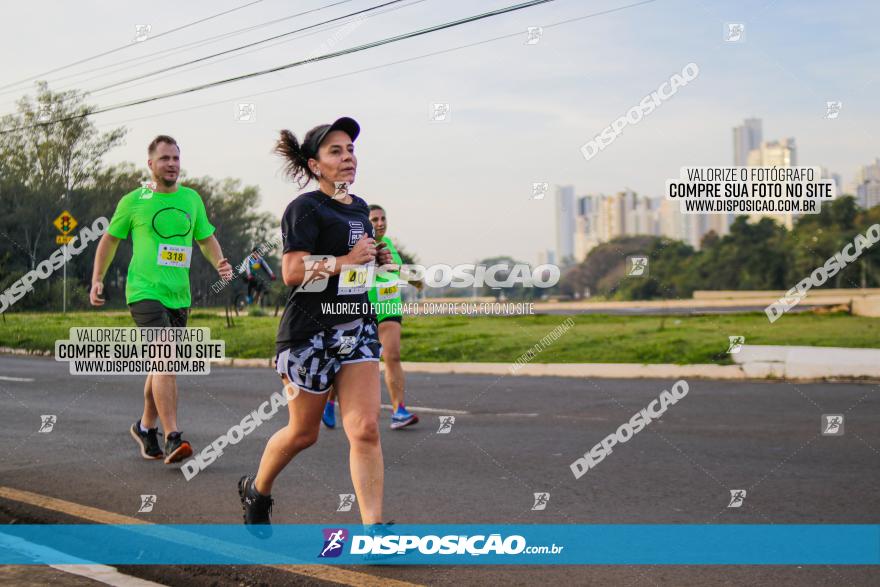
(316, 136)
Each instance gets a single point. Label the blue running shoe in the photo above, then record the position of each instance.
(402, 418)
(329, 417)
(377, 531)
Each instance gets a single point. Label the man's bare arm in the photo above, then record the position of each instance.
(103, 257)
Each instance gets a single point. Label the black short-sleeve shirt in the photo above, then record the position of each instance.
(317, 223)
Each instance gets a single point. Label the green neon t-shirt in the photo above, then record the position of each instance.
(386, 295)
(162, 228)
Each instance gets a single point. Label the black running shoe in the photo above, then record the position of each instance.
(257, 507)
(147, 441)
(176, 448)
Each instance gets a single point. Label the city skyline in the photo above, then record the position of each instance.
(598, 218)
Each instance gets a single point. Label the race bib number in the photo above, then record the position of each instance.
(174, 256)
(353, 280)
(387, 293)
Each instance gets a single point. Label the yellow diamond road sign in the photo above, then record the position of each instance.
(65, 222)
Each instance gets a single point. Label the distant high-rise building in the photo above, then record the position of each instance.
(565, 214)
(587, 226)
(867, 185)
(746, 137)
(546, 258)
(838, 181)
(775, 154)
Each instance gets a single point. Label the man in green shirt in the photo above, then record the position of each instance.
(162, 219)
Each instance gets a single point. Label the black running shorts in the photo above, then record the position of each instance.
(152, 314)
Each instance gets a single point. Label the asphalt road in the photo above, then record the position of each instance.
(512, 437)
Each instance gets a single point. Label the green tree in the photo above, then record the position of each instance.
(49, 149)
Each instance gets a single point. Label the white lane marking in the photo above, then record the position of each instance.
(101, 573)
(5, 378)
(106, 575)
(431, 410)
(462, 413)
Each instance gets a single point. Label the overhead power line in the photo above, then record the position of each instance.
(375, 67)
(246, 46)
(317, 31)
(358, 48)
(176, 49)
(123, 47)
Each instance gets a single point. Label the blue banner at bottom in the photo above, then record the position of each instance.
(670, 544)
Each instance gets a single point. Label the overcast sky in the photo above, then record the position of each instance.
(460, 190)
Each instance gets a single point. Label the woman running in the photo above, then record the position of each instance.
(327, 335)
(386, 300)
(386, 297)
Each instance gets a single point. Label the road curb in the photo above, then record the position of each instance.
(742, 371)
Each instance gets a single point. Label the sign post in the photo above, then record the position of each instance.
(65, 223)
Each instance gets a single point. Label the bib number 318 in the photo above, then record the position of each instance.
(174, 256)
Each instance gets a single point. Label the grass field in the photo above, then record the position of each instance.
(592, 339)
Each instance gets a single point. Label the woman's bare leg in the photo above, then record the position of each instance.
(300, 433)
(357, 385)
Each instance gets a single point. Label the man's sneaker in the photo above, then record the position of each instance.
(147, 441)
(176, 448)
(257, 507)
(329, 417)
(402, 418)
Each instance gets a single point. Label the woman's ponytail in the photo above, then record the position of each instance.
(296, 164)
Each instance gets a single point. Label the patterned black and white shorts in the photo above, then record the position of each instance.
(313, 365)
